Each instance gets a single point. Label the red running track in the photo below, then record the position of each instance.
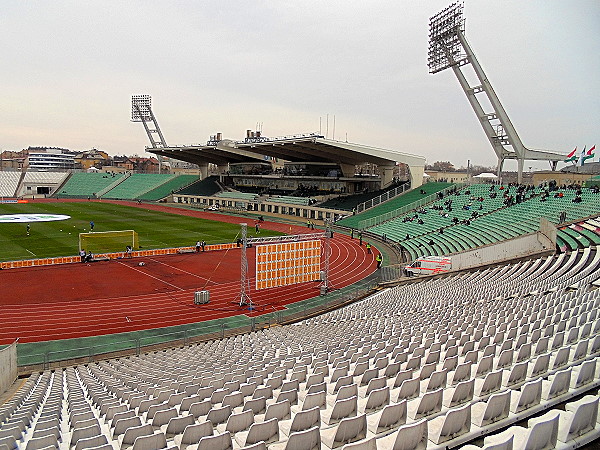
(78, 300)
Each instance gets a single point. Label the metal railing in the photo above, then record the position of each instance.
(377, 220)
(382, 198)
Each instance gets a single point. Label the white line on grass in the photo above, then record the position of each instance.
(30, 251)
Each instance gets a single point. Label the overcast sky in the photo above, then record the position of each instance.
(70, 67)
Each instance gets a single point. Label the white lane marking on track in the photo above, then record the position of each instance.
(151, 276)
(181, 270)
(344, 251)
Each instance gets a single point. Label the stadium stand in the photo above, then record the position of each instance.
(81, 184)
(398, 202)
(44, 177)
(437, 363)
(136, 185)
(168, 188)
(205, 187)
(238, 195)
(471, 223)
(9, 182)
(349, 202)
(305, 201)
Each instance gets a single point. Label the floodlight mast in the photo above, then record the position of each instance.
(448, 48)
(141, 111)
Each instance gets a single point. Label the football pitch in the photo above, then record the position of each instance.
(61, 238)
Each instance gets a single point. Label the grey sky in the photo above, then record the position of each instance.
(70, 67)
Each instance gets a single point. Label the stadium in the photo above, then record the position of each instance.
(299, 292)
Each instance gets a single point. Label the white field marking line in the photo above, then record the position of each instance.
(30, 251)
(151, 276)
(181, 270)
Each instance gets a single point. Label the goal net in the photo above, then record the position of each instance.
(108, 241)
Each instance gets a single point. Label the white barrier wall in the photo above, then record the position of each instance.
(8, 366)
(519, 247)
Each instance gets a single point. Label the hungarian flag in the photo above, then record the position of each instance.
(581, 160)
(571, 156)
(586, 155)
(590, 153)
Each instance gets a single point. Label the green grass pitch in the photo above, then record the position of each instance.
(155, 229)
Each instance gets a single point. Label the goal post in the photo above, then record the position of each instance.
(108, 241)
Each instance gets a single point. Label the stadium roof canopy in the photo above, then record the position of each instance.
(300, 149)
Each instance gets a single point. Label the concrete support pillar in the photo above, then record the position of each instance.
(203, 171)
(416, 175)
(387, 175)
(347, 170)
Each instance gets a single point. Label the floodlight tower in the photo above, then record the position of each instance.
(448, 48)
(141, 111)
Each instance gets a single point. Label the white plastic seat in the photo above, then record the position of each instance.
(583, 374)
(44, 442)
(413, 436)
(541, 433)
(267, 431)
(122, 425)
(193, 433)
(233, 399)
(177, 425)
(122, 415)
(341, 409)
(301, 440)
(302, 420)
(318, 399)
(400, 377)
(377, 399)
(454, 423)
(497, 407)
(429, 403)
(490, 384)
(516, 374)
(579, 418)
(461, 393)
(391, 416)
(435, 381)
(485, 366)
(86, 432)
(163, 417)
(280, 410)
(156, 441)
(497, 445)
(343, 393)
(539, 366)
(131, 434)
(201, 408)
(579, 350)
(461, 373)
(219, 415)
(408, 390)
(216, 442)
(237, 422)
(350, 429)
(560, 358)
(557, 384)
(91, 442)
(529, 396)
